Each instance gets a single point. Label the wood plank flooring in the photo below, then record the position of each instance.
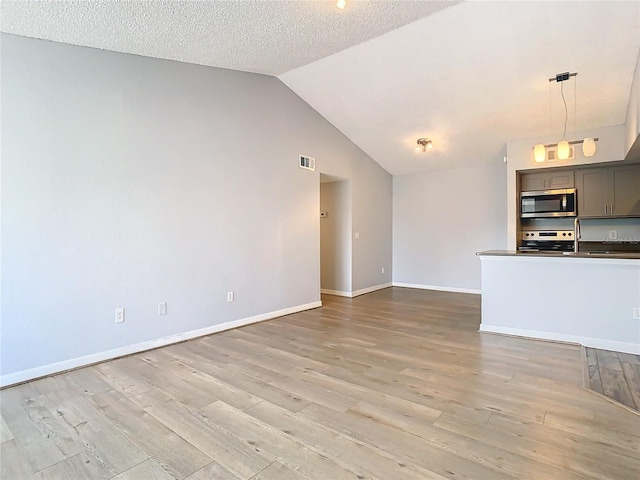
(396, 384)
(614, 375)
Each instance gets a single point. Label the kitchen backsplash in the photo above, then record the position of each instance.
(597, 229)
(592, 229)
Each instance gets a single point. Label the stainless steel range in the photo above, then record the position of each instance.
(547, 240)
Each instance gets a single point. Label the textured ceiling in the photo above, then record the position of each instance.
(471, 76)
(269, 37)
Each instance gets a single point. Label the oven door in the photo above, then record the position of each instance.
(538, 246)
(548, 203)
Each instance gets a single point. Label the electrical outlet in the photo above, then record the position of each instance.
(119, 315)
(229, 296)
(613, 234)
(636, 313)
(162, 308)
(382, 270)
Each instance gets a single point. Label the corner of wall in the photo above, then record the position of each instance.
(632, 118)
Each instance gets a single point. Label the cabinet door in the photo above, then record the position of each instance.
(533, 181)
(547, 180)
(625, 188)
(560, 180)
(592, 190)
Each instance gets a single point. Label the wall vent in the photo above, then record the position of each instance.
(552, 153)
(307, 162)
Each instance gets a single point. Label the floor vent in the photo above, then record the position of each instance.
(307, 162)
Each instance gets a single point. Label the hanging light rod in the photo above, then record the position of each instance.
(574, 142)
(561, 77)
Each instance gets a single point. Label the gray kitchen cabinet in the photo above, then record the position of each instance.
(625, 190)
(547, 180)
(608, 191)
(592, 190)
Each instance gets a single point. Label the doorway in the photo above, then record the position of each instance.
(335, 235)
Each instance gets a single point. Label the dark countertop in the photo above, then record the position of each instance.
(611, 255)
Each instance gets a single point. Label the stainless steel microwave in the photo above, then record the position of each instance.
(548, 203)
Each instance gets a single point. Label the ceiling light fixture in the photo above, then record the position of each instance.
(423, 144)
(341, 4)
(563, 148)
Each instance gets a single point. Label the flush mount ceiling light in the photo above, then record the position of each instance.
(563, 148)
(341, 4)
(423, 144)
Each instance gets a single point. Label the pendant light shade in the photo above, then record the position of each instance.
(589, 147)
(564, 150)
(539, 153)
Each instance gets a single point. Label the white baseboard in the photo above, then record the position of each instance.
(439, 288)
(357, 292)
(370, 289)
(603, 344)
(78, 362)
(335, 292)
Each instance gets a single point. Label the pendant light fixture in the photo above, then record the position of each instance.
(341, 4)
(563, 148)
(589, 147)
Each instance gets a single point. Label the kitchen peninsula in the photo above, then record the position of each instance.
(579, 298)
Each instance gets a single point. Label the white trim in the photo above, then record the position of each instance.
(616, 346)
(362, 291)
(357, 293)
(439, 288)
(540, 258)
(73, 363)
(335, 292)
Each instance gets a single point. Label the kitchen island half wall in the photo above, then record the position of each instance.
(580, 298)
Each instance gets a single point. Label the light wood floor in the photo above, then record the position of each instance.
(397, 384)
(613, 374)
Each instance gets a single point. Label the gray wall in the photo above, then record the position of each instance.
(335, 236)
(632, 121)
(441, 219)
(127, 181)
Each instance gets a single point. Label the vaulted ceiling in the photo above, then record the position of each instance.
(469, 75)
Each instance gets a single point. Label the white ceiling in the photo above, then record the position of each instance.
(475, 76)
(471, 77)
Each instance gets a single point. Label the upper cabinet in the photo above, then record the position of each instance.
(612, 191)
(592, 189)
(625, 189)
(546, 180)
